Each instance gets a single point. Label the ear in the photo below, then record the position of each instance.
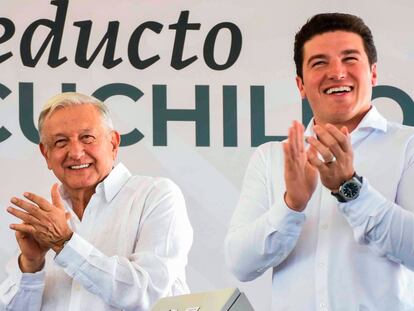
(374, 74)
(45, 153)
(115, 141)
(301, 86)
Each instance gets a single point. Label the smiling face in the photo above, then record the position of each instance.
(337, 78)
(78, 147)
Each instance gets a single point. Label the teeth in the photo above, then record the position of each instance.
(78, 167)
(338, 89)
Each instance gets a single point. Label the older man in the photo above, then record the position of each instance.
(106, 240)
(333, 218)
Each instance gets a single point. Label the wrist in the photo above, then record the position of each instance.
(297, 207)
(345, 178)
(349, 189)
(59, 245)
(30, 265)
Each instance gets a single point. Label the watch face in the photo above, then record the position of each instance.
(350, 190)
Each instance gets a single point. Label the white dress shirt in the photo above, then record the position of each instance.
(129, 250)
(332, 256)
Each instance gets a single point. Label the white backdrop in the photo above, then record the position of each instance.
(209, 176)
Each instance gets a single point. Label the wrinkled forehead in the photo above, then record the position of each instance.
(73, 118)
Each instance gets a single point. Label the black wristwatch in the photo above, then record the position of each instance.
(349, 189)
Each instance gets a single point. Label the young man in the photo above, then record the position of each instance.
(332, 216)
(107, 240)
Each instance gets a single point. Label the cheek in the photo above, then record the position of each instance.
(56, 157)
(311, 85)
(103, 153)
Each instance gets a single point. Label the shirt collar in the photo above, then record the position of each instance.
(372, 120)
(113, 183)
(110, 186)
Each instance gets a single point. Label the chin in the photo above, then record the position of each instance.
(79, 185)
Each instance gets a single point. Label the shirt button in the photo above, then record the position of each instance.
(324, 226)
(323, 306)
(321, 264)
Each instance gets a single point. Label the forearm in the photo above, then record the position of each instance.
(254, 247)
(385, 227)
(263, 229)
(132, 283)
(21, 291)
(30, 266)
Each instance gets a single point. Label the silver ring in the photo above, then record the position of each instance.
(331, 160)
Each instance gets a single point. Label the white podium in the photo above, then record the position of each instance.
(229, 299)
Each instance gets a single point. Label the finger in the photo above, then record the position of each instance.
(341, 136)
(299, 139)
(311, 152)
(329, 141)
(290, 162)
(23, 228)
(312, 155)
(286, 151)
(296, 136)
(21, 235)
(56, 199)
(68, 216)
(292, 141)
(25, 217)
(326, 153)
(40, 201)
(32, 209)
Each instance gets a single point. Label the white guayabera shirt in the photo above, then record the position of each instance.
(332, 256)
(129, 250)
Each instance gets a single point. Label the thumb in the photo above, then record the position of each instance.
(56, 199)
(68, 216)
(345, 131)
(311, 153)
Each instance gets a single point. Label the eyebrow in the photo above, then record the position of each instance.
(350, 51)
(323, 56)
(56, 135)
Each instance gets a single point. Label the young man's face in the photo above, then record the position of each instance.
(78, 147)
(337, 78)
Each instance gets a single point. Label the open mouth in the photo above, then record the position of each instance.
(79, 167)
(338, 90)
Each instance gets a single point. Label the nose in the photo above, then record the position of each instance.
(76, 150)
(336, 70)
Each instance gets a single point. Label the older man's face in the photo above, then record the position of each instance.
(78, 148)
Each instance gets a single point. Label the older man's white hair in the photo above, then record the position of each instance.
(68, 99)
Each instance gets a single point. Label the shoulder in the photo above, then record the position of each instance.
(401, 138)
(268, 152)
(270, 148)
(153, 185)
(401, 134)
(400, 129)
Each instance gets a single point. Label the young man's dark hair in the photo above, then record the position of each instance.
(326, 22)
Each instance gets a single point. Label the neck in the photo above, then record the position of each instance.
(350, 124)
(80, 199)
